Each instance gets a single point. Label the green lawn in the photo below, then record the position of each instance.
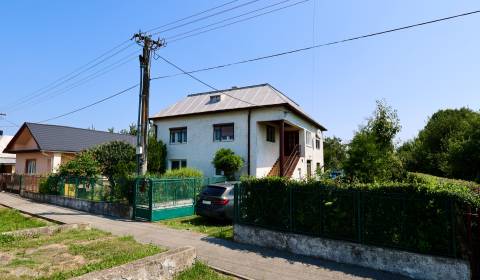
(67, 254)
(11, 220)
(202, 225)
(200, 271)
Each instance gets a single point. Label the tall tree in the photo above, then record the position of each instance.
(334, 153)
(371, 154)
(157, 156)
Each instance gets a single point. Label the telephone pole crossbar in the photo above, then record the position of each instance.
(149, 46)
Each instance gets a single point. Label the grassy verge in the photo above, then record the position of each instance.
(202, 225)
(67, 254)
(200, 271)
(11, 220)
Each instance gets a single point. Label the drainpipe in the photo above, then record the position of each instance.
(248, 141)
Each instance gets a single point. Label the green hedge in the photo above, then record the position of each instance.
(413, 216)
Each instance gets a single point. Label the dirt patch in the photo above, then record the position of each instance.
(5, 258)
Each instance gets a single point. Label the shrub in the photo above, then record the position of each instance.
(116, 158)
(414, 215)
(50, 184)
(157, 156)
(227, 161)
(186, 172)
(82, 165)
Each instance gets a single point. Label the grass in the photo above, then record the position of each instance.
(11, 220)
(203, 225)
(67, 254)
(200, 271)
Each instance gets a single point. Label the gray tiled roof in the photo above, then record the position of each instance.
(71, 139)
(232, 99)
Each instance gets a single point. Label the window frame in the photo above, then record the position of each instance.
(182, 163)
(270, 131)
(308, 142)
(175, 131)
(220, 125)
(317, 143)
(27, 169)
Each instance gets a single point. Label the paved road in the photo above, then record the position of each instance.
(250, 261)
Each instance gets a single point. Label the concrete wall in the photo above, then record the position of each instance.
(409, 264)
(46, 162)
(103, 208)
(200, 148)
(160, 266)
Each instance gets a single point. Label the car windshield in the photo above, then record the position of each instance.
(213, 191)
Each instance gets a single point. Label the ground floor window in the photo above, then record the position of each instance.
(218, 172)
(178, 163)
(31, 166)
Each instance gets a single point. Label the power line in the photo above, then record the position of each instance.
(320, 45)
(238, 21)
(267, 57)
(206, 17)
(227, 19)
(191, 16)
(202, 82)
(91, 104)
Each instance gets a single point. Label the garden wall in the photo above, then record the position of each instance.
(413, 265)
(112, 209)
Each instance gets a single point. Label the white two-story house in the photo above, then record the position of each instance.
(266, 128)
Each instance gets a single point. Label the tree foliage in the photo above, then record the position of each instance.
(82, 165)
(371, 155)
(448, 146)
(157, 156)
(116, 158)
(334, 153)
(227, 161)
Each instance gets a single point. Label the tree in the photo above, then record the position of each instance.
(447, 146)
(335, 153)
(227, 161)
(82, 165)
(116, 158)
(132, 130)
(371, 155)
(157, 156)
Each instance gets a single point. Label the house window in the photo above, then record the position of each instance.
(317, 143)
(31, 166)
(215, 99)
(218, 172)
(178, 163)
(270, 133)
(223, 132)
(308, 136)
(178, 135)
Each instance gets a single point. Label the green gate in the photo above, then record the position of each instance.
(160, 199)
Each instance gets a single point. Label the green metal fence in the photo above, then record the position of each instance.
(159, 199)
(423, 225)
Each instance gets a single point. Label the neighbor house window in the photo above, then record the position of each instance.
(317, 143)
(270, 133)
(218, 172)
(178, 135)
(178, 163)
(31, 166)
(308, 136)
(223, 132)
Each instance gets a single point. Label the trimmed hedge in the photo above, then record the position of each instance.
(413, 216)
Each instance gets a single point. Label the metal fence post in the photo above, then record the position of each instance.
(453, 219)
(359, 207)
(290, 198)
(150, 197)
(134, 217)
(235, 204)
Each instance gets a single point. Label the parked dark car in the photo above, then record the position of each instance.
(216, 201)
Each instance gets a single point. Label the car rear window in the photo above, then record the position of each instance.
(213, 191)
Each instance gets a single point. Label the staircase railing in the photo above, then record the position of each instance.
(291, 160)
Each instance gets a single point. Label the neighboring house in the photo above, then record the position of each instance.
(7, 161)
(41, 148)
(267, 129)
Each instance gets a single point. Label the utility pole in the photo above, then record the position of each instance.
(149, 46)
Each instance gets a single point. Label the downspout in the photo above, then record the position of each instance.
(248, 141)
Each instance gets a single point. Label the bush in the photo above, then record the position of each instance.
(157, 156)
(414, 216)
(186, 172)
(82, 165)
(50, 185)
(227, 161)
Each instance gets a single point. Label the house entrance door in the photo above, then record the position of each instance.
(291, 140)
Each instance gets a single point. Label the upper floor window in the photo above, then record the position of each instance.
(223, 132)
(31, 166)
(178, 135)
(308, 138)
(317, 143)
(270, 133)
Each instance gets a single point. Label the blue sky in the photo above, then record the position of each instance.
(416, 71)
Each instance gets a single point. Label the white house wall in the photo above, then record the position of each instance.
(200, 147)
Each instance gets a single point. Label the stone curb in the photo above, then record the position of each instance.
(160, 266)
(48, 230)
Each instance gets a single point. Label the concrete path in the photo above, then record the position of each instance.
(246, 260)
